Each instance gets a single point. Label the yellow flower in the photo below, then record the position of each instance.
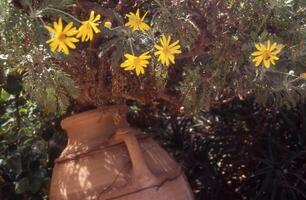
(87, 29)
(108, 24)
(137, 63)
(136, 22)
(167, 51)
(62, 38)
(280, 47)
(266, 54)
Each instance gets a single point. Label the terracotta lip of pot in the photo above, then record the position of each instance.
(87, 116)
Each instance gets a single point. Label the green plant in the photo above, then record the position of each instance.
(29, 143)
(217, 39)
(237, 129)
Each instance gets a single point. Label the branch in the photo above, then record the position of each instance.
(190, 54)
(85, 6)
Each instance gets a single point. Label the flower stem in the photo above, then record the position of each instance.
(131, 45)
(283, 73)
(63, 12)
(39, 17)
(115, 28)
(158, 2)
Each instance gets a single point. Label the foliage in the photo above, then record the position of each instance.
(242, 135)
(29, 143)
(55, 86)
(217, 38)
(22, 51)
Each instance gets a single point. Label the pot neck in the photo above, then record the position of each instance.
(95, 126)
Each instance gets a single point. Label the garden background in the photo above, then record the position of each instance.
(238, 131)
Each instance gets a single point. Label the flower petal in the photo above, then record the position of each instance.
(144, 16)
(97, 18)
(174, 44)
(169, 40)
(92, 16)
(64, 48)
(72, 32)
(257, 53)
(258, 47)
(96, 30)
(60, 25)
(137, 71)
(51, 30)
(274, 57)
(68, 27)
(138, 13)
(267, 63)
(273, 46)
(158, 47)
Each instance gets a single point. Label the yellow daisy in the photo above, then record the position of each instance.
(62, 38)
(136, 22)
(87, 29)
(167, 51)
(266, 54)
(137, 63)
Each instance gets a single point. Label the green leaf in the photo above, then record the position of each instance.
(51, 94)
(25, 3)
(17, 167)
(36, 185)
(23, 111)
(22, 185)
(13, 85)
(4, 96)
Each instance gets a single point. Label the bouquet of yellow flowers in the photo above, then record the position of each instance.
(188, 55)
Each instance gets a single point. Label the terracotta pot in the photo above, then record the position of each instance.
(105, 159)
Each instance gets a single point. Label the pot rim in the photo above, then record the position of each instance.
(92, 114)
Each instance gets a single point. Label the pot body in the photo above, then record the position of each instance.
(105, 159)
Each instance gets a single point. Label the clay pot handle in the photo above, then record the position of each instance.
(140, 168)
